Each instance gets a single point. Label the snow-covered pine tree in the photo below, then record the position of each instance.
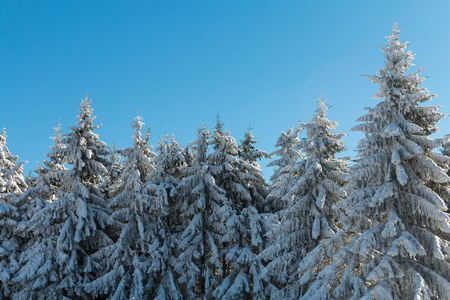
(58, 261)
(55, 158)
(248, 151)
(287, 168)
(188, 155)
(251, 154)
(161, 187)
(394, 241)
(242, 240)
(46, 186)
(218, 132)
(112, 180)
(11, 177)
(12, 185)
(127, 261)
(300, 226)
(44, 189)
(199, 263)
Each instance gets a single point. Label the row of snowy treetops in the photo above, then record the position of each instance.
(202, 223)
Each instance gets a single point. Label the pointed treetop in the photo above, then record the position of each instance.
(57, 137)
(218, 132)
(219, 124)
(397, 60)
(248, 151)
(4, 152)
(85, 112)
(3, 137)
(137, 126)
(201, 144)
(395, 32)
(248, 135)
(58, 128)
(113, 148)
(321, 111)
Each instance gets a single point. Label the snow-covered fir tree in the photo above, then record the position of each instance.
(46, 186)
(161, 187)
(55, 159)
(127, 261)
(394, 241)
(287, 168)
(248, 150)
(242, 240)
(218, 132)
(251, 154)
(11, 177)
(199, 263)
(307, 218)
(58, 260)
(112, 180)
(188, 155)
(12, 185)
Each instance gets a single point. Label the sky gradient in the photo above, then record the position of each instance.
(179, 62)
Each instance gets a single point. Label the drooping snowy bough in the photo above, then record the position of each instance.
(395, 237)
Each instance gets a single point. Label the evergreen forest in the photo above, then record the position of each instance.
(200, 221)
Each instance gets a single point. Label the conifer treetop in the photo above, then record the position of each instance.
(85, 113)
(55, 162)
(11, 171)
(402, 91)
(85, 151)
(201, 144)
(248, 151)
(321, 142)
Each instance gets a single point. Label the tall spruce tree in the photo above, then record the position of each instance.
(394, 241)
(199, 263)
(242, 240)
(188, 155)
(112, 180)
(12, 185)
(164, 209)
(247, 149)
(44, 189)
(46, 186)
(55, 159)
(287, 168)
(12, 182)
(127, 261)
(251, 154)
(307, 219)
(58, 261)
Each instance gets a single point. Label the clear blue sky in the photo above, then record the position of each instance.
(258, 62)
